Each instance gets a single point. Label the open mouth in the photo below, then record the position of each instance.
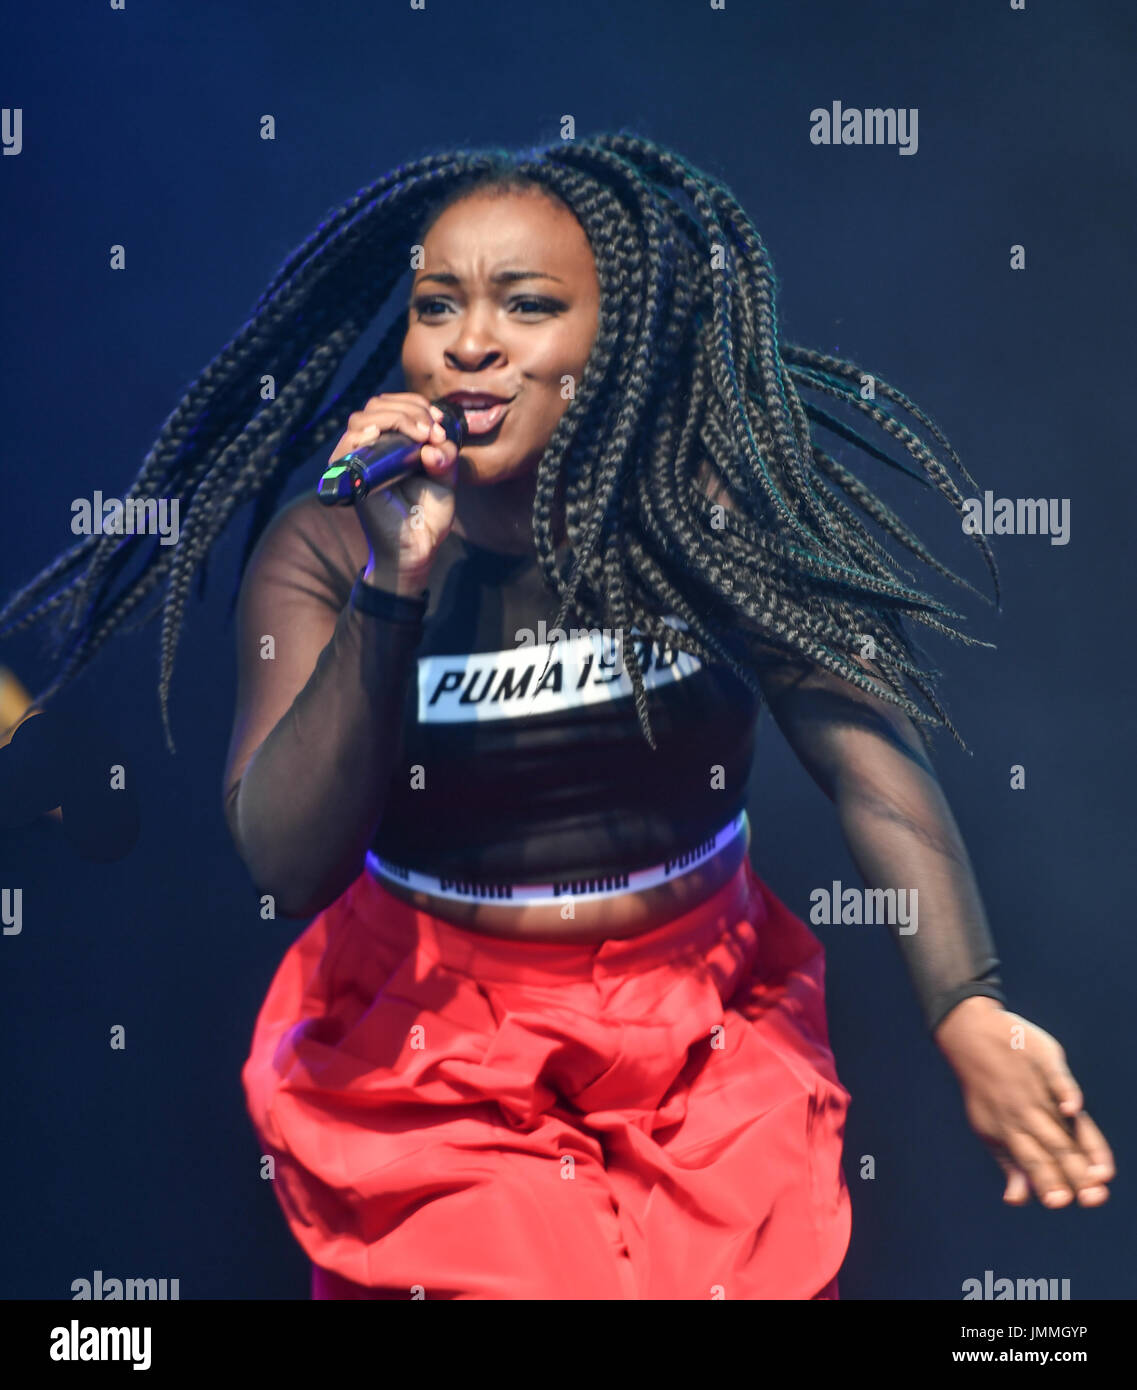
(484, 411)
(482, 419)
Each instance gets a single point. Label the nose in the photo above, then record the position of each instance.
(463, 357)
(474, 345)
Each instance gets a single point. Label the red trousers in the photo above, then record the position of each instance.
(454, 1115)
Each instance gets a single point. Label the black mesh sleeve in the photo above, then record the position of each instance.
(321, 686)
(868, 758)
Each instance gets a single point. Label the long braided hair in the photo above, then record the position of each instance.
(686, 374)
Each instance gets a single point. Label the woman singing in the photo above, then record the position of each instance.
(549, 1035)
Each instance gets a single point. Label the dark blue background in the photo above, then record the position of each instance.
(142, 127)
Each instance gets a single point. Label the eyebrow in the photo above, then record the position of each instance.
(502, 277)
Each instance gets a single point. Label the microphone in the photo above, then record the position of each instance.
(387, 460)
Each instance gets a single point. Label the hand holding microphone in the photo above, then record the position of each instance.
(402, 491)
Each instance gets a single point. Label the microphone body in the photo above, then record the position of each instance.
(387, 460)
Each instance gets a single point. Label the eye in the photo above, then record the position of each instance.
(544, 306)
(421, 306)
(527, 304)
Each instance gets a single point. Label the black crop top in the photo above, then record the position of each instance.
(464, 755)
(439, 745)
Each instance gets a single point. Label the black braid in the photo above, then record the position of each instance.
(687, 384)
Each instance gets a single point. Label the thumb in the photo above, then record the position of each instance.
(1017, 1191)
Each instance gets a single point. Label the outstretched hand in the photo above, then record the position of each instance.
(1023, 1102)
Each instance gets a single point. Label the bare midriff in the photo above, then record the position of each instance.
(626, 914)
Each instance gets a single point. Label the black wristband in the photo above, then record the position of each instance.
(378, 603)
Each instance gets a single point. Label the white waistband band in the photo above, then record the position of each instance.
(521, 894)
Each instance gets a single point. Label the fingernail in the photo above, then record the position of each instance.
(1097, 1170)
(1055, 1197)
(370, 432)
(1094, 1194)
(436, 412)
